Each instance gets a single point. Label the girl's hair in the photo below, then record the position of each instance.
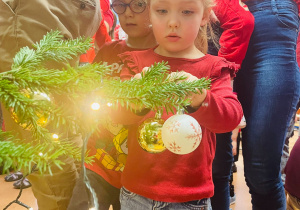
(206, 32)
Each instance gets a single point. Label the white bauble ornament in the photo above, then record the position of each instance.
(181, 134)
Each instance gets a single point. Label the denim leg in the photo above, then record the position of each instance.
(132, 201)
(268, 89)
(221, 170)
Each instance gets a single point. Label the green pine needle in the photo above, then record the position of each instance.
(71, 91)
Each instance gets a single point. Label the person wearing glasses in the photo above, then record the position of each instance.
(109, 145)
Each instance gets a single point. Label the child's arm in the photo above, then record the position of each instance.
(237, 25)
(220, 111)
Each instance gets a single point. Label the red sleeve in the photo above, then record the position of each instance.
(130, 67)
(220, 102)
(99, 39)
(102, 35)
(107, 13)
(237, 25)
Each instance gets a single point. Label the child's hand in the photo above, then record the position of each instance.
(242, 123)
(139, 75)
(196, 98)
(242, 4)
(234, 136)
(212, 17)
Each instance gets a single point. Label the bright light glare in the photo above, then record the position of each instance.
(30, 208)
(95, 106)
(41, 154)
(109, 104)
(92, 208)
(55, 136)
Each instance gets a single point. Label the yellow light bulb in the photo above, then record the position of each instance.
(55, 136)
(109, 104)
(95, 106)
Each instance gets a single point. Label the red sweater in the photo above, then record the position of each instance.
(237, 25)
(179, 178)
(292, 171)
(109, 145)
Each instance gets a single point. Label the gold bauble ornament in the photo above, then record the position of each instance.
(149, 135)
(43, 118)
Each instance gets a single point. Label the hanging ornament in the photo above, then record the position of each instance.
(181, 133)
(42, 117)
(150, 134)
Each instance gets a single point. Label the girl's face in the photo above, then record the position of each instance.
(135, 25)
(176, 24)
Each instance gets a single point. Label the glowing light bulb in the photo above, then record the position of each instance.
(42, 94)
(109, 104)
(95, 106)
(41, 154)
(92, 208)
(55, 136)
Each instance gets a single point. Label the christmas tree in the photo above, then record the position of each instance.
(49, 102)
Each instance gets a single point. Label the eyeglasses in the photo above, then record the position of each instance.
(136, 6)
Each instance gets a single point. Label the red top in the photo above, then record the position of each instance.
(237, 25)
(101, 35)
(110, 144)
(106, 11)
(292, 171)
(166, 176)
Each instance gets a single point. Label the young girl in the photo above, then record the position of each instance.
(167, 180)
(109, 145)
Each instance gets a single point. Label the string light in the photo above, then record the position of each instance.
(92, 208)
(55, 136)
(41, 154)
(95, 106)
(109, 104)
(42, 94)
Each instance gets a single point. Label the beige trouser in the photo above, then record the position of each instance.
(293, 203)
(22, 23)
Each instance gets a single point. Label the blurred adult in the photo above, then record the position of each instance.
(268, 87)
(23, 23)
(235, 25)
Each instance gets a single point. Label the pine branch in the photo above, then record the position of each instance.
(20, 155)
(51, 47)
(154, 90)
(71, 91)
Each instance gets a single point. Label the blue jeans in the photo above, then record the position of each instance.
(221, 170)
(268, 89)
(132, 201)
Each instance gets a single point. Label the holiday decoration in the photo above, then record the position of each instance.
(69, 88)
(181, 134)
(43, 118)
(150, 138)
